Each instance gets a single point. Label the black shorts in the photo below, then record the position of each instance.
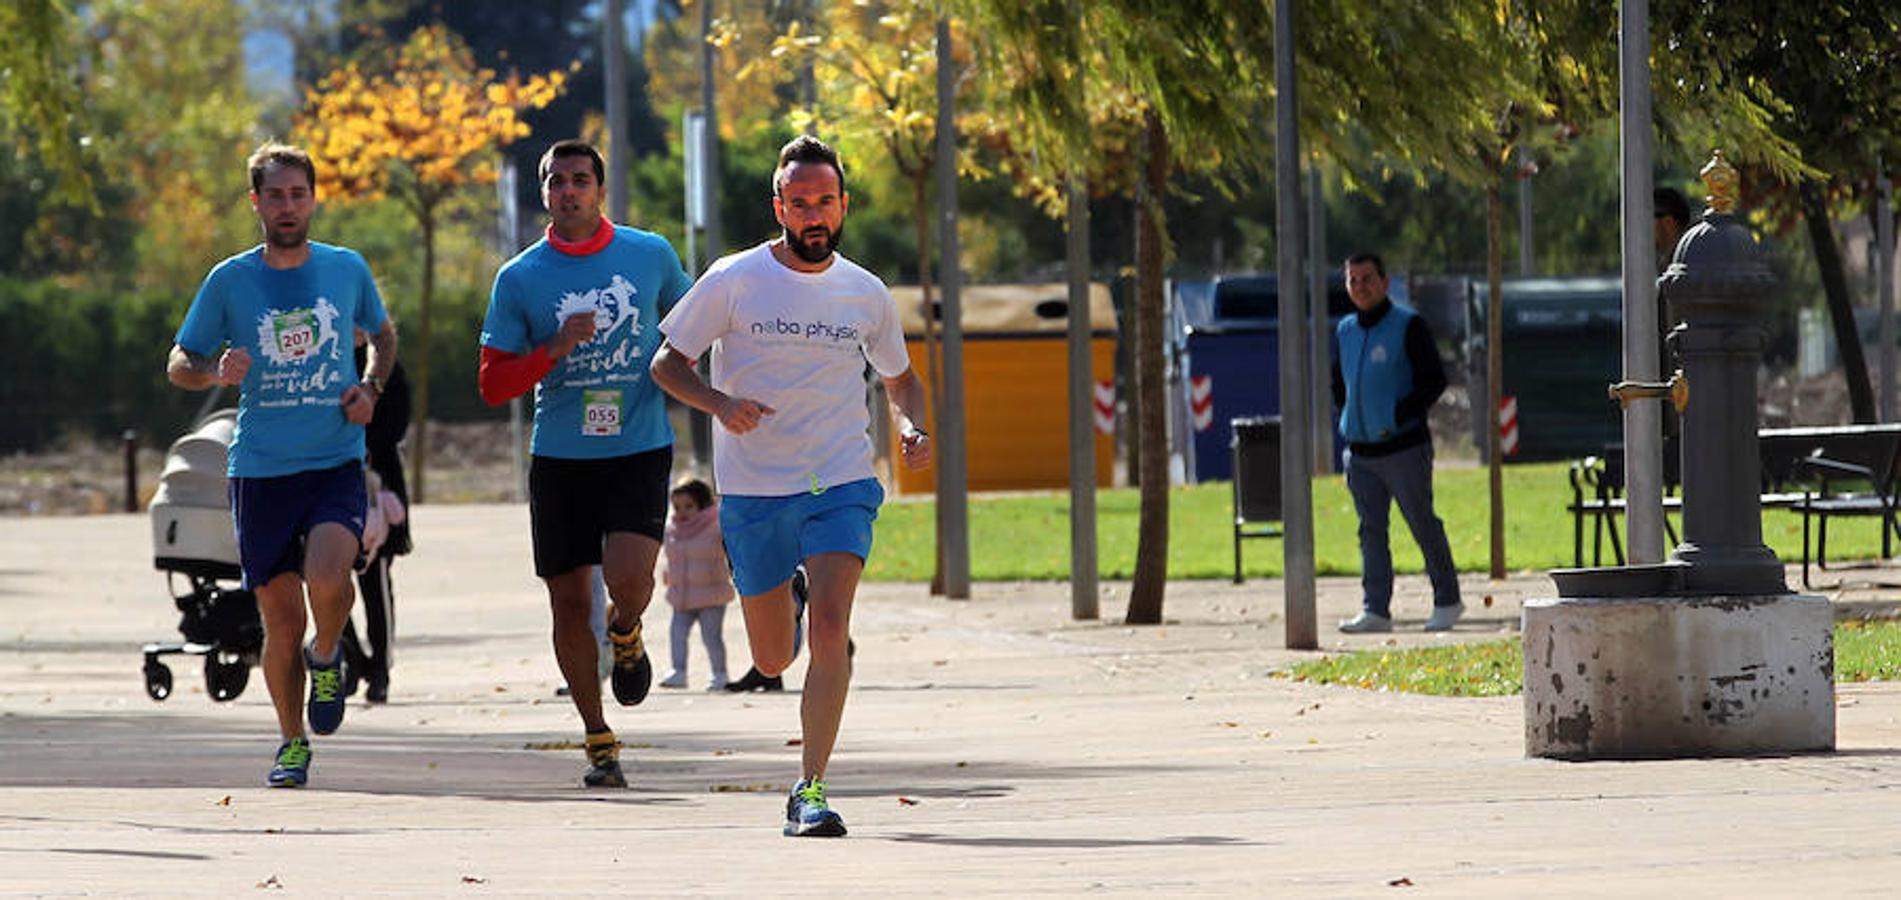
(573, 504)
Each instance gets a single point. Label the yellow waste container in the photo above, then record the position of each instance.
(1016, 384)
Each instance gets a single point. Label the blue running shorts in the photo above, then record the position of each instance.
(275, 515)
(767, 537)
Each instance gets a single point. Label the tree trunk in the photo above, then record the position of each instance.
(1495, 367)
(921, 217)
(1151, 549)
(1841, 310)
(419, 374)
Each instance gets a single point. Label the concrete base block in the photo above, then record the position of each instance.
(1637, 678)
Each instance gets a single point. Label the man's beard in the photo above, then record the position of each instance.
(814, 253)
(287, 239)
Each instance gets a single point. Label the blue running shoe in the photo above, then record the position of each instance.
(326, 692)
(807, 815)
(292, 769)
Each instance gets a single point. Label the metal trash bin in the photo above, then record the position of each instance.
(1256, 447)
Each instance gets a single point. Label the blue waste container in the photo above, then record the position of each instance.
(1226, 355)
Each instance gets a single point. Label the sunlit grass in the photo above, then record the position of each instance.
(1865, 650)
(1026, 536)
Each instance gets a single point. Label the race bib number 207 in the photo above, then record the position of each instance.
(296, 334)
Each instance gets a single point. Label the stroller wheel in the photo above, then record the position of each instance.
(225, 679)
(158, 680)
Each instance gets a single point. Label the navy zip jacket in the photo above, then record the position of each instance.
(1386, 375)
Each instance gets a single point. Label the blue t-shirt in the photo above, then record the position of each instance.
(298, 325)
(598, 401)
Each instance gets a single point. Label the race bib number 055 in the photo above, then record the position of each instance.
(600, 413)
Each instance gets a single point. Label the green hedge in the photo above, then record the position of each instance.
(90, 363)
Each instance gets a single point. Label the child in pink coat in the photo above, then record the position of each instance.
(699, 582)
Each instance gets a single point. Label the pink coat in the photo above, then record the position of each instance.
(694, 564)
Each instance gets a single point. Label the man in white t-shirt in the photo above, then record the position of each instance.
(791, 325)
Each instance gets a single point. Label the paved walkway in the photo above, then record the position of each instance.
(992, 747)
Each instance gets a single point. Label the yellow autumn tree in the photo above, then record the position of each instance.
(418, 124)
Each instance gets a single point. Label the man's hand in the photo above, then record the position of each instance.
(916, 447)
(233, 365)
(740, 414)
(359, 404)
(575, 330)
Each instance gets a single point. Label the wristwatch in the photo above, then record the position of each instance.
(375, 384)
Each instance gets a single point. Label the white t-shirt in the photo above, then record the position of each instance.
(797, 342)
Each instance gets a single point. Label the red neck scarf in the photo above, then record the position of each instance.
(603, 235)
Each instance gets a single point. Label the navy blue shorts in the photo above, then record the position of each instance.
(275, 516)
(767, 537)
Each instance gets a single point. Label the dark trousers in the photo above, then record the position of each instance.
(376, 597)
(1376, 483)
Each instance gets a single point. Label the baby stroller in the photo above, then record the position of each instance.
(193, 537)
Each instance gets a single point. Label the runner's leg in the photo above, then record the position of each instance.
(280, 603)
(328, 553)
(834, 582)
(769, 628)
(571, 598)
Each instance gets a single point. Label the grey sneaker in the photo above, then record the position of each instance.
(1367, 623)
(1444, 617)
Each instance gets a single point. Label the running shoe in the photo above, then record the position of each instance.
(292, 769)
(603, 762)
(807, 815)
(633, 671)
(326, 692)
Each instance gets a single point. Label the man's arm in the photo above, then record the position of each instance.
(196, 372)
(1339, 380)
(674, 372)
(503, 376)
(909, 408)
(1429, 373)
(380, 358)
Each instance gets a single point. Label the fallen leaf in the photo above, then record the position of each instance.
(906, 801)
(794, 742)
(961, 764)
(271, 882)
(501, 689)
(1400, 882)
(226, 801)
(1488, 601)
(940, 662)
(471, 879)
(1230, 724)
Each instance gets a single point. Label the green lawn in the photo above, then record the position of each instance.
(1026, 536)
(1865, 650)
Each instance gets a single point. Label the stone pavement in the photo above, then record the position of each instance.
(991, 747)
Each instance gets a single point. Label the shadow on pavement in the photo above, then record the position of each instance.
(1060, 843)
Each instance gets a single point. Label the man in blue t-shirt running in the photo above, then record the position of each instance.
(274, 321)
(573, 317)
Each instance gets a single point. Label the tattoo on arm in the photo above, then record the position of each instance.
(381, 358)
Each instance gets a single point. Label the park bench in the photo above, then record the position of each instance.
(1597, 493)
(1817, 472)
(1850, 472)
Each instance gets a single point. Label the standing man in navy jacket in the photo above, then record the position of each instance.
(1386, 375)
